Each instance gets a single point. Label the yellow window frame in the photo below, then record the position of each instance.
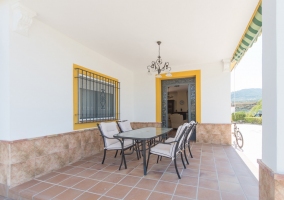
(77, 125)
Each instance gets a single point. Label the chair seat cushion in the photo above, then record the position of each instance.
(162, 150)
(170, 139)
(117, 145)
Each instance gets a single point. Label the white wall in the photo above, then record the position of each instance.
(280, 85)
(182, 96)
(273, 85)
(177, 97)
(42, 81)
(215, 94)
(5, 72)
(144, 98)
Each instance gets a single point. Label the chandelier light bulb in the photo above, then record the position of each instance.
(169, 74)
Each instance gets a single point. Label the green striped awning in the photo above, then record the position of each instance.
(250, 36)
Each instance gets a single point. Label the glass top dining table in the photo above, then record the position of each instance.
(143, 134)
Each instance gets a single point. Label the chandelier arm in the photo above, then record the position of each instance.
(167, 65)
(158, 63)
(153, 65)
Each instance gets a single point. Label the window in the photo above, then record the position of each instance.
(97, 96)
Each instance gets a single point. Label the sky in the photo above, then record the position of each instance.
(248, 73)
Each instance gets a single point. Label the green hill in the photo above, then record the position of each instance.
(247, 95)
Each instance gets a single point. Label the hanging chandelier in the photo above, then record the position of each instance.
(156, 66)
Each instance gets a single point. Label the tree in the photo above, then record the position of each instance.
(255, 109)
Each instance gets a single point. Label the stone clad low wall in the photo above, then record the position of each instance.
(4, 166)
(271, 185)
(29, 158)
(23, 160)
(214, 133)
(137, 125)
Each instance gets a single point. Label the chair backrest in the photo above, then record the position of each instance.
(108, 129)
(187, 128)
(179, 138)
(180, 130)
(190, 131)
(124, 125)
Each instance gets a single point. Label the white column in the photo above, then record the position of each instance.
(5, 72)
(273, 85)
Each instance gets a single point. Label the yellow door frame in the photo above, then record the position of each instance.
(182, 74)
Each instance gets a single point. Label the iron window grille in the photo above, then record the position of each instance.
(98, 97)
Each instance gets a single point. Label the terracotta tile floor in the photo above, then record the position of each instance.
(215, 172)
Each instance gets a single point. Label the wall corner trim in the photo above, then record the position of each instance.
(226, 65)
(22, 18)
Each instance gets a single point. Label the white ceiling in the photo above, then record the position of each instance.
(126, 31)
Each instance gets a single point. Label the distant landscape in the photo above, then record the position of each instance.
(247, 95)
(245, 99)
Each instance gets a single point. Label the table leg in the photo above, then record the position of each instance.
(144, 156)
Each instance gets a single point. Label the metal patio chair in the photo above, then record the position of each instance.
(107, 131)
(124, 125)
(191, 128)
(170, 139)
(170, 149)
(187, 140)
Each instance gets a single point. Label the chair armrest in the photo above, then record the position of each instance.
(108, 137)
(168, 142)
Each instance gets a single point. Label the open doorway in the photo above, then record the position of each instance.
(178, 99)
(177, 105)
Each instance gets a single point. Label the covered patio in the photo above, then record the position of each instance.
(51, 54)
